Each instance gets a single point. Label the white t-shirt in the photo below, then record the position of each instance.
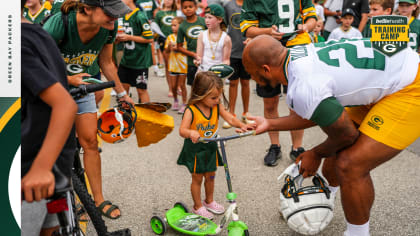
(348, 70)
(320, 12)
(332, 5)
(339, 33)
(213, 51)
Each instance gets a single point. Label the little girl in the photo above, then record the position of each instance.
(201, 119)
(177, 66)
(213, 44)
(409, 9)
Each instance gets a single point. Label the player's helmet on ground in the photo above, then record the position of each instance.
(307, 210)
(117, 124)
(222, 70)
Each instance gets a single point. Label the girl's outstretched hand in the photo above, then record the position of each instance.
(194, 136)
(261, 124)
(246, 127)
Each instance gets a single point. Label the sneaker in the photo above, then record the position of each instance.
(160, 73)
(214, 207)
(245, 119)
(226, 125)
(273, 155)
(295, 153)
(182, 109)
(175, 107)
(202, 211)
(155, 69)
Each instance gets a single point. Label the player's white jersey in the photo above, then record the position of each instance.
(349, 70)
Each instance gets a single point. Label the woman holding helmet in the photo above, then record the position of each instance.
(84, 31)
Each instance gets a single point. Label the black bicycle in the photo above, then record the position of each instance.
(64, 203)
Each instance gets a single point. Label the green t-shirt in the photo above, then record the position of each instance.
(414, 34)
(367, 32)
(147, 6)
(79, 57)
(56, 6)
(264, 14)
(164, 20)
(38, 17)
(189, 32)
(137, 55)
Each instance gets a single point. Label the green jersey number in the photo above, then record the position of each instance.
(130, 45)
(377, 62)
(286, 14)
(413, 41)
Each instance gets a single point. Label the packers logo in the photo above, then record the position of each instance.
(235, 20)
(146, 26)
(167, 20)
(377, 120)
(194, 31)
(389, 48)
(74, 68)
(208, 134)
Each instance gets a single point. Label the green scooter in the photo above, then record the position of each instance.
(182, 221)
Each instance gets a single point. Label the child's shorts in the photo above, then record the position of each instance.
(175, 73)
(86, 104)
(134, 77)
(239, 70)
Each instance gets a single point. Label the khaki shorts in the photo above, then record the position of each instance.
(394, 120)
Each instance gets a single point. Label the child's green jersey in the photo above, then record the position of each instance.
(414, 33)
(79, 57)
(164, 20)
(137, 55)
(189, 32)
(37, 17)
(56, 6)
(147, 6)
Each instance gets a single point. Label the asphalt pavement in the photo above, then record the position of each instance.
(147, 181)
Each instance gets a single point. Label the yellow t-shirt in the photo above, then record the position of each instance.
(206, 126)
(177, 61)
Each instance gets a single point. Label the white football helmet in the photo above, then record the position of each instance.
(307, 210)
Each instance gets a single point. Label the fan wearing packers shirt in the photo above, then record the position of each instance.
(91, 30)
(35, 11)
(137, 58)
(279, 19)
(410, 9)
(322, 79)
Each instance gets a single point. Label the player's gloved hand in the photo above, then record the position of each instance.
(310, 162)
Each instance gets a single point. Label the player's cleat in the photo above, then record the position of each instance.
(273, 155)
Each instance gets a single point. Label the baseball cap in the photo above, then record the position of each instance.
(348, 11)
(408, 1)
(215, 10)
(113, 8)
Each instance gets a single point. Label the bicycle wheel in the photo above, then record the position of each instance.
(89, 205)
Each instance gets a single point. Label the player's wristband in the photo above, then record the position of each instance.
(122, 94)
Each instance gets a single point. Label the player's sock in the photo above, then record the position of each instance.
(357, 230)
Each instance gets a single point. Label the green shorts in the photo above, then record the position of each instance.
(200, 157)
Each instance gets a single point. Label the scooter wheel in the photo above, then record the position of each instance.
(246, 233)
(158, 225)
(181, 204)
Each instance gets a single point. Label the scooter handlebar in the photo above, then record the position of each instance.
(235, 136)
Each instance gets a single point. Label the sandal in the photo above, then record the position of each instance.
(109, 211)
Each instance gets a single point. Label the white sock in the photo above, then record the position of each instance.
(357, 230)
(333, 189)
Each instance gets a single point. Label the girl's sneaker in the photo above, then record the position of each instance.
(214, 207)
(182, 109)
(175, 107)
(202, 211)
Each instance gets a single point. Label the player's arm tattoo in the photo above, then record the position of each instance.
(341, 134)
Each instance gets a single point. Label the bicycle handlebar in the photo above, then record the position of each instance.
(239, 135)
(84, 89)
